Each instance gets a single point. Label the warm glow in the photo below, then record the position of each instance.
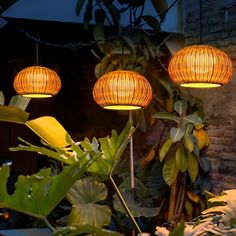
(122, 90)
(37, 82)
(120, 107)
(37, 95)
(200, 85)
(200, 66)
(6, 215)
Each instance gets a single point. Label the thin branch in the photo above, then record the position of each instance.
(49, 225)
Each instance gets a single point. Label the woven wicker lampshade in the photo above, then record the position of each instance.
(200, 66)
(122, 90)
(37, 82)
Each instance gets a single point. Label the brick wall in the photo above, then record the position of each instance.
(219, 30)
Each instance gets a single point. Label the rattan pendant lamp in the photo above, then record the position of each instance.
(200, 66)
(37, 81)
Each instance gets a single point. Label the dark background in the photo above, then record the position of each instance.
(73, 107)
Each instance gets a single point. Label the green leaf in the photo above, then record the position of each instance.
(192, 166)
(13, 115)
(139, 200)
(85, 230)
(98, 70)
(179, 230)
(155, 182)
(166, 116)
(189, 128)
(142, 120)
(188, 142)
(136, 208)
(180, 107)
(205, 164)
(60, 154)
(170, 170)
(182, 159)
(79, 6)
(109, 150)
(165, 148)
(176, 134)
(98, 32)
(152, 22)
(2, 98)
(129, 43)
(19, 102)
(37, 195)
(85, 211)
(88, 13)
(192, 119)
(149, 45)
(160, 7)
(96, 55)
(189, 208)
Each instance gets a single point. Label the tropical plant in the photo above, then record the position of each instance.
(178, 163)
(39, 194)
(180, 152)
(218, 219)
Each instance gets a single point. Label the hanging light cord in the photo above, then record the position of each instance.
(201, 23)
(79, 45)
(37, 51)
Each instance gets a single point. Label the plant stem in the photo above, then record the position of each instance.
(125, 205)
(49, 225)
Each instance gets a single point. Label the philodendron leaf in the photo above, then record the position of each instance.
(192, 166)
(176, 134)
(108, 152)
(166, 116)
(50, 130)
(13, 115)
(165, 148)
(188, 142)
(85, 230)
(192, 118)
(37, 195)
(19, 102)
(136, 206)
(59, 154)
(182, 158)
(170, 170)
(85, 211)
(180, 107)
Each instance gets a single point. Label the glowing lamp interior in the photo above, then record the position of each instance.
(200, 85)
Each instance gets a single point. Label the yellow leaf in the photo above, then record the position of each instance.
(201, 137)
(50, 130)
(150, 156)
(193, 197)
(197, 126)
(207, 141)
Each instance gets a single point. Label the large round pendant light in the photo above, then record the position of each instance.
(200, 66)
(122, 90)
(37, 82)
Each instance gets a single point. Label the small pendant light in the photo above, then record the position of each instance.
(122, 90)
(37, 81)
(200, 66)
